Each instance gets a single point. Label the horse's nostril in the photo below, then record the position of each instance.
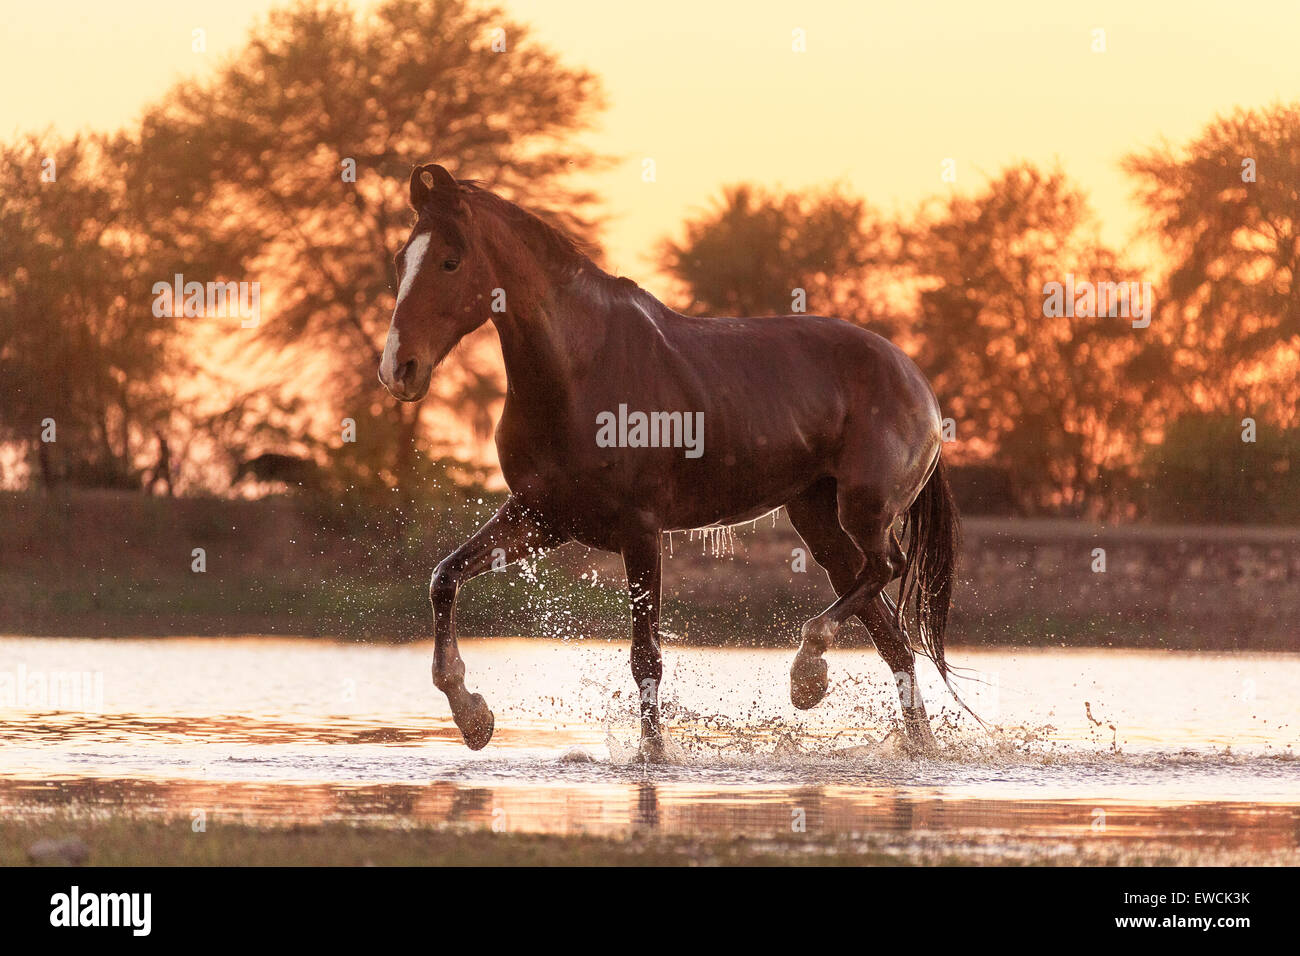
(404, 371)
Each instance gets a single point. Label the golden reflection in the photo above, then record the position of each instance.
(626, 808)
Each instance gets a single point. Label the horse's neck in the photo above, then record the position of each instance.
(570, 341)
(558, 322)
(548, 340)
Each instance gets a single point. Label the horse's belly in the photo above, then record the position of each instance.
(735, 490)
(600, 495)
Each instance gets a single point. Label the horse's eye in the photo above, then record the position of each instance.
(450, 265)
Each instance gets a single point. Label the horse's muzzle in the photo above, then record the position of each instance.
(408, 382)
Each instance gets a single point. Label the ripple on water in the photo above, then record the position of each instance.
(312, 730)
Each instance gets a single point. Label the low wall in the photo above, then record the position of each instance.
(119, 563)
(1198, 586)
(1041, 582)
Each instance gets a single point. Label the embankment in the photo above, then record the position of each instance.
(104, 564)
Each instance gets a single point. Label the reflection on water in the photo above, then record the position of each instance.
(918, 826)
(1095, 747)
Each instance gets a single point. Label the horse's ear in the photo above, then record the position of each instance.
(441, 178)
(419, 188)
(438, 180)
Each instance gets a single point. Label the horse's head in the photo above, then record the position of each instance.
(442, 288)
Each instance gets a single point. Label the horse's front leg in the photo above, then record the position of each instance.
(644, 562)
(512, 533)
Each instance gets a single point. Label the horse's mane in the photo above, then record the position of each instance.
(565, 259)
(557, 251)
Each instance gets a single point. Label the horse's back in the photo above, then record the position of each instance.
(789, 398)
(814, 353)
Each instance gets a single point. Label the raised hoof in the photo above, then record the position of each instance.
(808, 681)
(477, 724)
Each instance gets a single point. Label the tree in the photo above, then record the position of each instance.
(753, 249)
(77, 346)
(290, 167)
(1226, 209)
(1054, 399)
(1203, 471)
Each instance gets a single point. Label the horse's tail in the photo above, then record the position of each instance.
(932, 536)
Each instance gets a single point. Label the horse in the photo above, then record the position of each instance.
(810, 413)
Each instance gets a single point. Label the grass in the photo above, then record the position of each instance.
(139, 841)
(115, 838)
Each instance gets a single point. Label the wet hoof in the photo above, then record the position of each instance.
(808, 681)
(652, 750)
(912, 747)
(477, 723)
(918, 741)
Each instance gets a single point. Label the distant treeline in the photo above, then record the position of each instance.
(286, 170)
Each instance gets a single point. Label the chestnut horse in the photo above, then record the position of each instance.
(812, 413)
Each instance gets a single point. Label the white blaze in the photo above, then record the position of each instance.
(414, 260)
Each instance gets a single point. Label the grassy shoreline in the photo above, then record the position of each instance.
(117, 839)
(123, 844)
(100, 564)
(133, 841)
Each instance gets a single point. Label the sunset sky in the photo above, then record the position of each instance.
(715, 94)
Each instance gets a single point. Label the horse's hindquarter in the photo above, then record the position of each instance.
(786, 398)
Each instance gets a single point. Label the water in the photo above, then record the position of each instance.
(1192, 755)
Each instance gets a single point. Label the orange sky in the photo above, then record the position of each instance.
(714, 93)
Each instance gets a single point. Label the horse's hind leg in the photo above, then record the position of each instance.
(864, 519)
(512, 533)
(813, 515)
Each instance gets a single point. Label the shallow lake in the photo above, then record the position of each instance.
(1192, 754)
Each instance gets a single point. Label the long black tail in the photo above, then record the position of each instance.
(933, 536)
